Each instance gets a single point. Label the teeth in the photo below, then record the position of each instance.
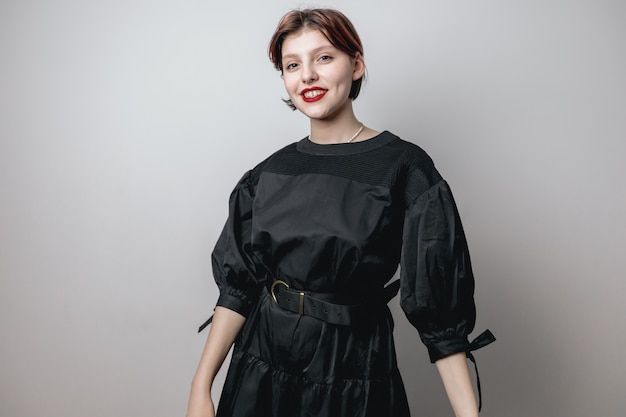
(314, 93)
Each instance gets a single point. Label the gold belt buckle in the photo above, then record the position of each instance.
(300, 298)
(274, 284)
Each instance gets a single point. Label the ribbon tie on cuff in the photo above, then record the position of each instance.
(205, 324)
(480, 341)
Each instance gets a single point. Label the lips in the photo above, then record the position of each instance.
(313, 94)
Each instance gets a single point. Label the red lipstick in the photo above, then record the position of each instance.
(321, 92)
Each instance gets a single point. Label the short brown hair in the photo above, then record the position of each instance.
(333, 24)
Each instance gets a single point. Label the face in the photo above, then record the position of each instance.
(318, 76)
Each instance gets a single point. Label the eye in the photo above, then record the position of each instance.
(326, 58)
(291, 66)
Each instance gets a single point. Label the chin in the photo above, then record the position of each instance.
(316, 115)
(319, 114)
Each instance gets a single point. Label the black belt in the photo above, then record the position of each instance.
(328, 307)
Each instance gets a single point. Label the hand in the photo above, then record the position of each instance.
(200, 405)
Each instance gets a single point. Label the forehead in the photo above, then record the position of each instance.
(304, 42)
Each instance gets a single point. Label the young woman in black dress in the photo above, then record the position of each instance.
(314, 234)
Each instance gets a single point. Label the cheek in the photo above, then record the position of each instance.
(342, 76)
(290, 84)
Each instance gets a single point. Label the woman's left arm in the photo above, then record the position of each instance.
(456, 380)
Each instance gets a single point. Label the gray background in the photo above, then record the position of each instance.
(125, 124)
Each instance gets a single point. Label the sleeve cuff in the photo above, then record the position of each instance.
(447, 347)
(233, 303)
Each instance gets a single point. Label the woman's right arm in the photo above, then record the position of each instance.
(222, 334)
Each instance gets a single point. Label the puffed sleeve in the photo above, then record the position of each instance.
(234, 267)
(437, 284)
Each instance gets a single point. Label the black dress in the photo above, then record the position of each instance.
(339, 219)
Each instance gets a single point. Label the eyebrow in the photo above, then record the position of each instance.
(313, 52)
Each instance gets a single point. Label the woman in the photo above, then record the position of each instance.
(314, 234)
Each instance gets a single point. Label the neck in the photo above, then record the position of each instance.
(337, 130)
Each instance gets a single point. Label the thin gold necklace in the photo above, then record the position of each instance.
(357, 133)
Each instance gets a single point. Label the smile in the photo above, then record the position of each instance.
(310, 95)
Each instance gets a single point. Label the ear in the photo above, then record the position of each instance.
(359, 67)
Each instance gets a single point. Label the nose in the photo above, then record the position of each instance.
(308, 74)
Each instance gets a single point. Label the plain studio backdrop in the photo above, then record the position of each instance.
(125, 124)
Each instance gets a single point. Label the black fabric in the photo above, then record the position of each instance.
(339, 219)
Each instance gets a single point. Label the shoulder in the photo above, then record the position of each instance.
(416, 170)
(409, 153)
(251, 177)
